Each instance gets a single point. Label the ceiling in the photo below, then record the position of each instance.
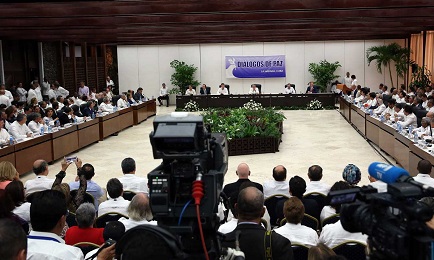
(205, 21)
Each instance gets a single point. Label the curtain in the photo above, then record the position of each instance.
(416, 47)
(429, 51)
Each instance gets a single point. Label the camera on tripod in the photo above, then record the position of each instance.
(189, 153)
(395, 221)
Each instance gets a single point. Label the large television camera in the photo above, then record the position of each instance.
(189, 153)
(395, 221)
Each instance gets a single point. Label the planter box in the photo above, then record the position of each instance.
(253, 145)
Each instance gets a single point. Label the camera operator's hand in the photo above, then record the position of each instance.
(107, 253)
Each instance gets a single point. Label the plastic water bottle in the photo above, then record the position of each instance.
(416, 139)
(50, 129)
(57, 123)
(92, 115)
(11, 140)
(42, 130)
(398, 127)
(115, 108)
(410, 129)
(75, 120)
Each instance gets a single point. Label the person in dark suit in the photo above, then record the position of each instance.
(297, 187)
(89, 109)
(138, 95)
(66, 116)
(254, 240)
(311, 88)
(204, 90)
(243, 172)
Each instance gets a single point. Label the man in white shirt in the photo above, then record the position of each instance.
(37, 123)
(60, 91)
(334, 234)
(385, 92)
(316, 185)
(45, 87)
(32, 93)
(51, 92)
(222, 90)
(424, 129)
(163, 95)
(4, 99)
(401, 97)
(7, 92)
(424, 167)
(83, 90)
(372, 101)
(347, 80)
(398, 114)
(109, 82)
(409, 117)
(353, 80)
(48, 213)
(41, 182)
(253, 90)
(106, 106)
(122, 102)
(293, 210)
(190, 91)
(289, 89)
(279, 185)
(19, 129)
(130, 181)
(116, 203)
(380, 106)
(139, 212)
(4, 135)
(22, 92)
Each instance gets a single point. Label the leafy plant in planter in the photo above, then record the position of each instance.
(421, 77)
(323, 73)
(183, 75)
(385, 54)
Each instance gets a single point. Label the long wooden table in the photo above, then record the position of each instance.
(53, 146)
(267, 100)
(397, 145)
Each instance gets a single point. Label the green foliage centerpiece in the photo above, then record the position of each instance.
(324, 73)
(183, 75)
(249, 129)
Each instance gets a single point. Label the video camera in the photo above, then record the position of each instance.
(190, 154)
(395, 221)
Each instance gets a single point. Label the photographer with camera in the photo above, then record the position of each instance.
(250, 207)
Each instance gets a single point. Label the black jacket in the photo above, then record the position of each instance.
(235, 186)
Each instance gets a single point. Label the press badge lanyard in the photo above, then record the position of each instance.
(43, 238)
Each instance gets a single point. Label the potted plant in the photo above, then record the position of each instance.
(324, 73)
(183, 75)
(385, 54)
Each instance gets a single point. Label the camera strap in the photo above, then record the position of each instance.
(267, 245)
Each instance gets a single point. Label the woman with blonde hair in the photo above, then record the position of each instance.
(8, 173)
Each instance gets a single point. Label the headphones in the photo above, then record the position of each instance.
(171, 241)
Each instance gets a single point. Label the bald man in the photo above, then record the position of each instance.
(42, 182)
(243, 172)
(279, 185)
(250, 207)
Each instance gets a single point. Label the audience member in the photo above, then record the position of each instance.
(293, 230)
(83, 90)
(316, 185)
(84, 232)
(114, 230)
(13, 241)
(352, 174)
(379, 185)
(15, 190)
(66, 116)
(8, 173)
(122, 101)
(320, 252)
(243, 172)
(409, 117)
(230, 225)
(92, 187)
(130, 181)
(139, 212)
(48, 215)
(4, 135)
(41, 182)
(116, 203)
(429, 201)
(250, 207)
(279, 185)
(297, 187)
(328, 211)
(164, 95)
(204, 90)
(138, 96)
(254, 90)
(424, 176)
(106, 106)
(19, 129)
(334, 234)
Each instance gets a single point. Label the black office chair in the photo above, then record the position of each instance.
(100, 100)
(115, 100)
(300, 251)
(318, 197)
(227, 86)
(271, 203)
(259, 86)
(82, 107)
(102, 220)
(128, 195)
(353, 250)
(330, 220)
(86, 247)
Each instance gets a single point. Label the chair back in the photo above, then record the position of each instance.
(128, 195)
(70, 220)
(330, 220)
(259, 87)
(227, 86)
(102, 220)
(115, 100)
(86, 247)
(271, 203)
(353, 250)
(310, 221)
(300, 251)
(320, 198)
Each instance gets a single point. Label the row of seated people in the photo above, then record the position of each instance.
(224, 89)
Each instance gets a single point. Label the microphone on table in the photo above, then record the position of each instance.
(390, 174)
